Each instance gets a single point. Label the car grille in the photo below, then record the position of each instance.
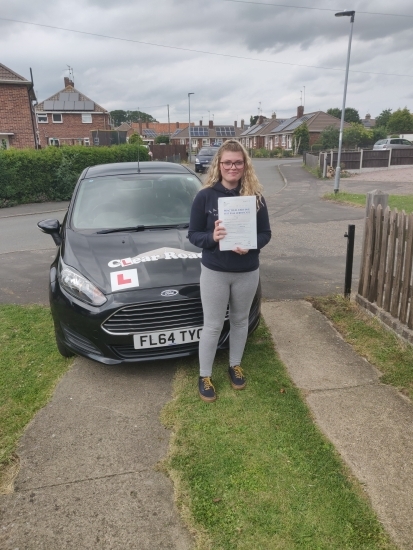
(129, 352)
(155, 316)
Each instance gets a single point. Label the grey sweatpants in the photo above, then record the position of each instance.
(217, 289)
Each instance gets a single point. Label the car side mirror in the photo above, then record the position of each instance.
(52, 228)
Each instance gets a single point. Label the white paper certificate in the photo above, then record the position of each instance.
(239, 217)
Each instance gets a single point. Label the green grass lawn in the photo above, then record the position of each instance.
(251, 471)
(30, 366)
(371, 340)
(401, 202)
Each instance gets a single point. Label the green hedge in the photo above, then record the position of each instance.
(50, 174)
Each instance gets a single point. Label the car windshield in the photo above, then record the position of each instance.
(149, 200)
(207, 152)
(381, 142)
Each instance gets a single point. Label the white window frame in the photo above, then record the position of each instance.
(205, 141)
(4, 142)
(283, 140)
(182, 141)
(89, 115)
(54, 141)
(39, 116)
(86, 141)
(57, 121)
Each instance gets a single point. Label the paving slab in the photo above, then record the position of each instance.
(89, 475)
(370, 424)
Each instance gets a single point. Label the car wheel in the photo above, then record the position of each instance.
(63, 350)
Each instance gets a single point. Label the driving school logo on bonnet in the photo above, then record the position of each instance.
(164, 253)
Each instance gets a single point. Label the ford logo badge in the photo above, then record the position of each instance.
(169, 292)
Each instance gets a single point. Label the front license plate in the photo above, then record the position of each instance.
(167, 338)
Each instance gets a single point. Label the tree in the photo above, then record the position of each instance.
(135, 139)
(383, 118)
(301, 138)
(119, 116)
(350, 115)
(162, 139)
(329, 138)
(357, 136)
(400, 122)
(254, 120)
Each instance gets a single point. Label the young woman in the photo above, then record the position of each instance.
(227, 276)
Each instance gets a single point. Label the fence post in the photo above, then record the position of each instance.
(361, 159)
(375, 198)
(325, 166)
(390, 150)
(349, 260)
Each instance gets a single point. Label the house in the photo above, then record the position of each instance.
(68, 117)
(282, 135)
(17, 119)
(203, 136)
(257, 136)
(151, 130)
(368, 122)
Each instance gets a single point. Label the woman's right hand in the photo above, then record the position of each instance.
(219, 231)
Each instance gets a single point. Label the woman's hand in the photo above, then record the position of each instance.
(219, 231)
(241, 251)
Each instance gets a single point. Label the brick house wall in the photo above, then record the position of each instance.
(16, 116)
(71, 131)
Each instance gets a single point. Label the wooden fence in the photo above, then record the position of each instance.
(386, 267)
(368, 158)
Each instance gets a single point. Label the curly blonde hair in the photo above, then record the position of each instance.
(249, 182)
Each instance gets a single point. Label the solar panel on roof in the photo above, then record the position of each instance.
(89, 105)
(148, 132)
(299, 121)
(225, 131)
(69, 105)
(79, 105)
(58, 105)
(64, 96)
(48, 105)
(283, 125)
(73, 96)
(177, 131)
(199, 131)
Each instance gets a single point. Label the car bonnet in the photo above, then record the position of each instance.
(120, 262)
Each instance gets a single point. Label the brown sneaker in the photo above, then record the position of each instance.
(237, 378)
(206, 389)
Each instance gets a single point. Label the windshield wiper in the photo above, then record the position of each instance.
(119, 229)
(168, 226)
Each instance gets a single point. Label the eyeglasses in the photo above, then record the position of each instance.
(227, 164)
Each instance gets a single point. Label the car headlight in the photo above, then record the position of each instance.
(78, 286)
(196, 159)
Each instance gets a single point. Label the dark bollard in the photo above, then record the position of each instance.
(349, 260)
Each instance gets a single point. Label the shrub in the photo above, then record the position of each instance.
(50, 174)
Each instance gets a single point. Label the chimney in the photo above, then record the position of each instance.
(368, 116)
(211, 124)
(235, 124)
(300, 111)
(177, 124)
(260, 119)
(200, 122)
(146, 124)
(68, 82)
(274, 116)
(242, 124)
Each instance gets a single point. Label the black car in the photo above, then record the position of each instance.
(124, 285)
(204, 158)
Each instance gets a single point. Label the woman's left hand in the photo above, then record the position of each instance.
(240, 251)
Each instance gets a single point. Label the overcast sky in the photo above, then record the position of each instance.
(270, 55)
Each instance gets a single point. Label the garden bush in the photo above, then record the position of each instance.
(29, 175)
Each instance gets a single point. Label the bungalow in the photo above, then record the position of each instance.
(282, 135)
(17, 120)
(257, 136)
(203, 136)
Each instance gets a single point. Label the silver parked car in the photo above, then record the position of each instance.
(392, 143)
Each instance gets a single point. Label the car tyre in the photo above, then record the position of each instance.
(63, 350)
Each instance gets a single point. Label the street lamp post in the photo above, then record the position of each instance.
(189, 127)
(351, 14)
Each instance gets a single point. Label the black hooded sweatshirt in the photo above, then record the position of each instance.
(204, 214)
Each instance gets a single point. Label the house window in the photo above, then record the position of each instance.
(283, 140)
(87, 118)
(205, 142)
(42, 118)
(276, 140)
(4, 143)
(54, 141)
(86, 141)
(57, 117)
(182, 141)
